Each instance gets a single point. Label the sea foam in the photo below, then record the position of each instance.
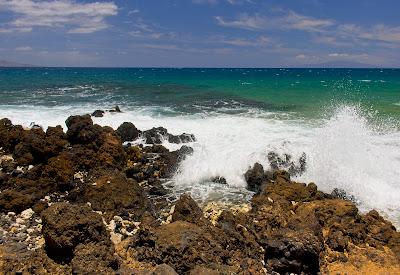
(343, 151)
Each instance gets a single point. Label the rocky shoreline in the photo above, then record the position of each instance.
(86, 201)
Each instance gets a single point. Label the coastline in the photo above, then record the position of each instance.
(82, 201)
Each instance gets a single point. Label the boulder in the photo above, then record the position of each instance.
(66, 225)
(128, 132)
(186, 209)
(255, 177)
(112, 194)
(10, 135)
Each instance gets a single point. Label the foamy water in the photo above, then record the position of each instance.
(343, 150)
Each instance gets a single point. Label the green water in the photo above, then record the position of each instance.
(305, 92)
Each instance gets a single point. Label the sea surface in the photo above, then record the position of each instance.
(346, 121)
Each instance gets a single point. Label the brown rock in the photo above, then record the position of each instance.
(66, 225)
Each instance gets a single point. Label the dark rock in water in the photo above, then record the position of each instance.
(159, 134)
(66, 225)
(172, 159)
(341, 194)
(128, 132)
(156, 188)
(155, 135)
(220, 180)
(94, 258)
(285, 162)
(186, 209)
(98, 113)
(115, 110)
(183, 138)
(255, 177)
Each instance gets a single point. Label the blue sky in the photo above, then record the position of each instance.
(200, 33)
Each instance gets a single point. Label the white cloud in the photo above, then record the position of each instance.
(289, 20)
(338, 54)
(23, 49)
(76, 17)
(240, 42)
(301, 56)
(244, 21)
(214, 2)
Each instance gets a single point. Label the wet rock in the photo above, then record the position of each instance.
(182, 138)
(98, 113)
(255, 177)
(115, 110)
(220, 180)
(128, 132)
(285, 162)
(66, 225)
(159, 134)
(341, 194)
(155, 135)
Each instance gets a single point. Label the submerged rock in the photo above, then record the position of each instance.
(159, 134)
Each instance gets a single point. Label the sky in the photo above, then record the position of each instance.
(200, 33)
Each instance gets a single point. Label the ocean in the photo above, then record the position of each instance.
(346, 121)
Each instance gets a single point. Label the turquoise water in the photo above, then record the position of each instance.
(346, 121)
(305, 92)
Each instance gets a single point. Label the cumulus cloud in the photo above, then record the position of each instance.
(76, 17)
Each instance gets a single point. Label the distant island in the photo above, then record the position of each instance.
(4, 63)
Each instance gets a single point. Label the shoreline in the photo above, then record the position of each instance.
(52, 181)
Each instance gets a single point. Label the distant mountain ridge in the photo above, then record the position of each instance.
(341, 64)
(4, 63)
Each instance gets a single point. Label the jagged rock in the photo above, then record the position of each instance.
(128, 132)
(38, 146)
(341, 194)
(286, 163)
(184, 246)
(112, 194)
(159, 134)
(10, 135)
(255, 177)
(220, 180)
(66, 225)
(186, 209)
